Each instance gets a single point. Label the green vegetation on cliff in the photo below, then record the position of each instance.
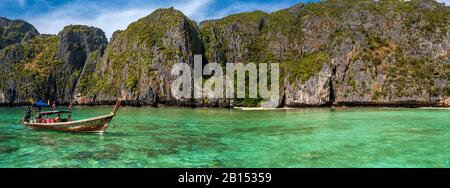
(147, 49)
(30, 76)
(307, 66)
(374, 51)
(15, 31)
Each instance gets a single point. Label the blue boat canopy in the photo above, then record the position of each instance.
(40, 104)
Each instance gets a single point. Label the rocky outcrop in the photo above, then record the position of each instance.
(79, 49)
(391, 53)
(344, 52)
(48, 66)
(317, 91)
(347, 52)
(137, 63)
(445, 102)
(15, 31)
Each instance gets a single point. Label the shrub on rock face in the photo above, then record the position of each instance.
(48, 66)
(331, 51)
(139, 59)
(15, 31)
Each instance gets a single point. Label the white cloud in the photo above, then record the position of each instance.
(22, 3)
(111, 19)
(195, 9)
(239, 7)
(108, 19)
(447, 2)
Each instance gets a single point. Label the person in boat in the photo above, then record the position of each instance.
(58, 118)
(71, 105)
(49, 120)
(39, 118)
(69, 118)
(54, 106)
(28, 115)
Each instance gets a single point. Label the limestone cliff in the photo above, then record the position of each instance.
(48, 66)
(344, 52)
(137, 62)
(341, 52)
(15, 31)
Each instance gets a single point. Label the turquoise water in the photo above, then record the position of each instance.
(171, 137)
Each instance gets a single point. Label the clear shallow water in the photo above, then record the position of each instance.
(322, 137)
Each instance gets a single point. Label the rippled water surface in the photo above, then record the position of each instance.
(171, 137)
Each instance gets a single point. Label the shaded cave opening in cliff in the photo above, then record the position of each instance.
(332, 97)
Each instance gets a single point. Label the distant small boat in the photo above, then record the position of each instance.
(92, 125)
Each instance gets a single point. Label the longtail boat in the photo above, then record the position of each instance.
(92, 125)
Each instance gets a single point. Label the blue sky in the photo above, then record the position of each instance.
(50, 16)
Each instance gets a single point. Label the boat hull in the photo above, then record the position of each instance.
(93, 125)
